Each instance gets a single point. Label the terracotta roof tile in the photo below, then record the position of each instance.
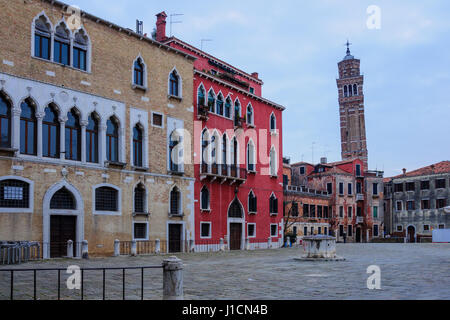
(441, 167)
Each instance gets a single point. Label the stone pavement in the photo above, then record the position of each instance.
(408, 271)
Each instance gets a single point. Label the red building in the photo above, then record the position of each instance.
(237, 151)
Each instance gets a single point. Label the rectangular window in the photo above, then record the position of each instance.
(358, 170)
(410, 186)
(375, 212)
(319, 211)
(441, 226)
(306, 210)
(375, 189)
(350, 212)
(312, 212)
(341, 212)
(426, 204)
(205, 228)
(441, 203)
(440, 184)
(312, 231)
(375, 230)
(350, 230)
(350, 189)
(358, 188)
(157, 120)
(325, 212)
(61, 53)
(426, 227)
(330, 188)
(14, 194)
(251, 230)
(399, 206)
(425, 185)
(302, 171)
(79, 58)
(320, 230)
(140, 231)
(398, 187)
(341, 230)
(42, 47)
(341, 188)
(411, 205)
(106, 199)
(273, 230)
(252, 90)
(295, 209)
(399, 228)
(305, 231)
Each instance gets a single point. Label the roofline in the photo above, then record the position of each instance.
(207, 55)
(128, 31)
(208, 76)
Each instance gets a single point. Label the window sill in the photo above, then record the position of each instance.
(8, 151)
(252, 213)
(61, 64)
(176, 173)
(172, 97)
(141, 214)
(206, 210)
(115, 164)
(273, 214)
(138, 87)
(143, 169)
(107, 213)
(181, 215)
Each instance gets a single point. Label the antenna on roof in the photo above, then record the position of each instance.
(171, 22)
(139, 27)
(204, 40)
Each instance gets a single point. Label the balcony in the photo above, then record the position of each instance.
(224, 173)
(202, 113)
(359, 220)
(239, 122)
(359, 197)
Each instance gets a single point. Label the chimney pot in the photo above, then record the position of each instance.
(255, 75)
(161, 26)
(404, 171)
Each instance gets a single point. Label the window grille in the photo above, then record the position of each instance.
(139, 199)
(63, 199)
(106, 199)
(14, 194)
(140, 231)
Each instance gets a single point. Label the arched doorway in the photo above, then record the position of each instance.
(63, 220)
(358, 235)
(411, 234)
(236, 225)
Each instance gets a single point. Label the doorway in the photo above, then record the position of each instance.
(411, 234)
(62, 229)
(175, 237)
(235, 224)
(235, 236)
(358, 235)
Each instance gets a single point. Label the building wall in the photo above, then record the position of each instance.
(107, 89)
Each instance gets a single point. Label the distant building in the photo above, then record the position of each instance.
(415, 202)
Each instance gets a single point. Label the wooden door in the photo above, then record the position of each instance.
(411, 235)
(175, 238)
(62, 229)
(235, 236)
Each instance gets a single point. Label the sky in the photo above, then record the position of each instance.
(295, 47)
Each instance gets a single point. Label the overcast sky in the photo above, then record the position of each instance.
(296, 45)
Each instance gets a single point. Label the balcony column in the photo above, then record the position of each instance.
(102, 144)
(62, 145)
(84, 124)
(39, 118)
(15, 130)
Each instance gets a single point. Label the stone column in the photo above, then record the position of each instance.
(191, 246)
(62, 134)
(247, 244)
(84, 124)
(157, 246)
(15, 129)
(102, 144)
(84, 250)
(116, 248)
(39, 117)
(70, 249)
(133, 248)
(173, 279)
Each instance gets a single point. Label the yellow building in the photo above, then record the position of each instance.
(90, 114)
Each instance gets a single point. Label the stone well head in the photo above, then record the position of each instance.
(320, 247)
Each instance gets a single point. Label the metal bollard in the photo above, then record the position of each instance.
(84, 250)
(173, 279)
(158, 246)
(133, 248)
(116, 248)
(70, 249)
(222, 245)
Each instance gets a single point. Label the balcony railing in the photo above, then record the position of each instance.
(202, 112)
(359, 197)
(239, 122)
(359, 220)
(230, 172)
(306, 190)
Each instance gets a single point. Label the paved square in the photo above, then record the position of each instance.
(408, 271)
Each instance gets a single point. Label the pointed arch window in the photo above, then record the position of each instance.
(228, 105)
(139, 199)
(63, 200)
(200, 97)
(350, 90)
(176, 151)
(175, 202)
(219, 105)
(273, 123)
(205, 147)
(92, 139)
(112, 140)
(204, 196)
(235, 210)
(224, 156)
(50, 133)
(73, 136)
(273, 204)
(211, 101)
(355, 90)
(251, 157)
(249, 115)
(138, 72)
(138, 146)
(237, 112)
(61, 52)
(28, 128)
(174, 84)
(5, 122)
(80, 50)
(345, 91)
(252, 203)
(42, 38)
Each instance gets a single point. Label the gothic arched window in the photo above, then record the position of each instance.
(28, 128)
(249, 114)
(174, 84)
(92, 139)
(139, 198)
(50, 133)
(252, 203)
(175, 202)
(228, 108)
(42, 38)
(112, 140)
(73, 136)
(63, 200)
(5, 122)
(219, 105)
(204, 196)
(138, 146)
(139, 72)
(61, 52)
(80, 50)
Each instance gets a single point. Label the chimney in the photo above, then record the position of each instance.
(161, 26)
(255, 75)
(404, 171)
(323, 160)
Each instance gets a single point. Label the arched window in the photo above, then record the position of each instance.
(80, 50)
(350, 90)
(228, 108)
(174, 83)
(219, 105)
(14, 194)
(73, 136)
(138, 146)
(235, 210)
(139, 199)
(63, 200)
(28, 128)
(252, 203)
(61, 53)
(273, 163)
(205, 150)
(224, 155)
(251, 157)
(50, 133)
(112, 140)
(5, 122)
(345, 91)
(200, 96)
(211, 101)
(176, 151)
(92, 139)
(234, 158)
(249, 114)
(175, 202)
(237, 111)
(42, 38)
(273, 204)
(273, 122)
(204, 196)
(138, 72)
(106, 199)
(355, 90)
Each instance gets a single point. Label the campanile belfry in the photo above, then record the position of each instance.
(351, 109)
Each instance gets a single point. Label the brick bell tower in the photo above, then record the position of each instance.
(351, 109)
